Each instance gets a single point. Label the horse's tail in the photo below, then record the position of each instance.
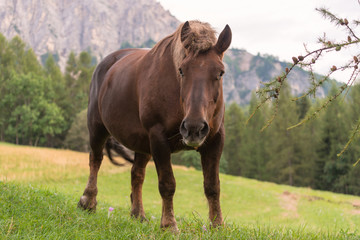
(112, 144)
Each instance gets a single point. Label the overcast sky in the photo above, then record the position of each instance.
(276, 27)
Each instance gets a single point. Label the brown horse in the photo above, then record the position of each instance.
(159, 101)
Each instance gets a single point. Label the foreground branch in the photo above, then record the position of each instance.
(270, 91)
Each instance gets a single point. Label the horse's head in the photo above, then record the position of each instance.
(201, 87)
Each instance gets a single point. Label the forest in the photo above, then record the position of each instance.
(39, 103)
(42, 106)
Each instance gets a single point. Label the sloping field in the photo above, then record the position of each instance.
(244, 201)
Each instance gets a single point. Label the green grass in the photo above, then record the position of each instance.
(33, 213)
(40, 187)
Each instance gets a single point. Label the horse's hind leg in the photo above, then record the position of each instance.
(137, 179)
(98, 136)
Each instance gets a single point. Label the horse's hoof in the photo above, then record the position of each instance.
(142, 218)
(172, 228)
(216, 224)
(87, 204)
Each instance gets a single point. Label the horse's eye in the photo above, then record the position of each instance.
(181, 72)
(220, 75)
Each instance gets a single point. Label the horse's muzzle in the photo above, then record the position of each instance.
(194, 132)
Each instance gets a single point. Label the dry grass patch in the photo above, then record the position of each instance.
(24, 163)
(32, 163)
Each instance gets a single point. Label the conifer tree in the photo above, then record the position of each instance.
(78, 135)
(234, 122)
(283, 144)
(349, 182)
(253, 144)
(77, 80)
(60, 97)
(5, 62)
(333, 135)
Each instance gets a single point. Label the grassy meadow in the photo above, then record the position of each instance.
(40, 187)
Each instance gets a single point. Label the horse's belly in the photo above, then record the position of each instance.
(130, 133)
(120, 115)
(135, 140)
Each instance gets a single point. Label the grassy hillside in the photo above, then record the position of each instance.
(42, 186)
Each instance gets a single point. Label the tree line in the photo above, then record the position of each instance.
(304, 156)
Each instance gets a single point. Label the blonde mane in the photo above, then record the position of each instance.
(200, 38)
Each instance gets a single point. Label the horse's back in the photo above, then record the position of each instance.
(94, 118)
(103, 67)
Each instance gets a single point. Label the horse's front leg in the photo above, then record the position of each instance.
(210, 160)
(160, 151)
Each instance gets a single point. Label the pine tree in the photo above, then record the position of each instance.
(60, 97)
(307, 138)
(333, 136)
(77, 80)
(283, 144)
(6, 60)
(78, 135)
(349, 183)
(253, 144)
(234, 121)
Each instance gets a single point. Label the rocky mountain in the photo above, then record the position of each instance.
(101, 26)
(59, 27)
(245, 72)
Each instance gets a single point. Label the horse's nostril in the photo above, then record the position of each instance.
(194, 130)
(183, 129)
(204, 130)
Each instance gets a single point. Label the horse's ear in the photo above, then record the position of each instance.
(184, 31)
(224, 39)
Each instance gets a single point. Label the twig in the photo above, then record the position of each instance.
(332, 98)
(355, 132)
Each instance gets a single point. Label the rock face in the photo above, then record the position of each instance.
(101, 26)
(245, 72)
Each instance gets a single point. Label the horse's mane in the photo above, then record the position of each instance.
(200, 38)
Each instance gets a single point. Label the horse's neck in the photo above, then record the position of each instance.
(169, 46)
